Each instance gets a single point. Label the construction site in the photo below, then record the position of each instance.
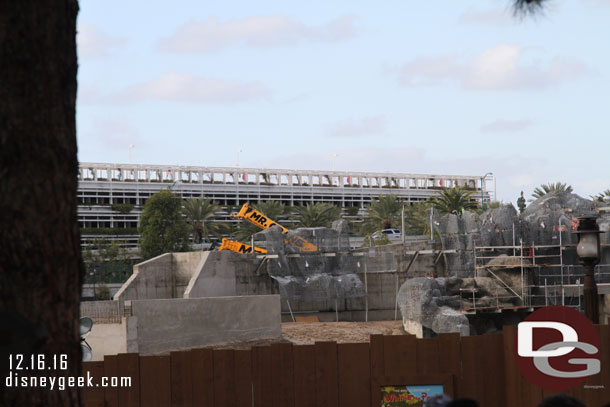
(476, 274)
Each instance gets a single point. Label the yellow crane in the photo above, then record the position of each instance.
(238, 247)
(259, 219)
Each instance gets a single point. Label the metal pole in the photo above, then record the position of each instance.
(482, 197)
(560, 253)
(521, 258)
(336, 310)
(366, 298)
(546, 296)
(590, 294)
(513, 239)
(431, 224)
(403, 224)
(396, 299)
(290, 309)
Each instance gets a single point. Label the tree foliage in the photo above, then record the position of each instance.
(454, 200)
(417, 218)
(551, 188)
(200, 214)
(521, 203)
(602, 196)
(318, 214)
(383, 213)
(162, 227)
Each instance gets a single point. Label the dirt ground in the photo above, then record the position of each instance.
(304, 333)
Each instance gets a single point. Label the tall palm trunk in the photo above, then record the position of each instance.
(40, 263)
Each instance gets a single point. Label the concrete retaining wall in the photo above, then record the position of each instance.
(164, 276)
(159, 326)
(107, 339)
(227, 274)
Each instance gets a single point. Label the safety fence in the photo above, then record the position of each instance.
(331, 374)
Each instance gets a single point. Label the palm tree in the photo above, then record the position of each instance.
(453, 200)
(524, 7)
(383, 213)
(199, 214)
(602, 196)
(550, 188)
(318, 214)
(417, 218)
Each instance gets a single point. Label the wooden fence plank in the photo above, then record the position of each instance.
(202, 371)
(595, 389)
(326, 374)
(282, 374)
(224, 378)
(129, 366)
(492, 377)
(243, 377)
(155, 381)
(304, 360)
(511, 371)
(111, 394)
(449, 354)
(93, 396)
(354, 374)
(181, 379)
(261, 376)
(467, 383)
(604, 343)
(399, 354)
(377, 358)
(426, 355)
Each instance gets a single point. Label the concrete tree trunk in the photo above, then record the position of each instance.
(40, 262)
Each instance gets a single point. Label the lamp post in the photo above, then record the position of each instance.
(483, 189)
(589, 253)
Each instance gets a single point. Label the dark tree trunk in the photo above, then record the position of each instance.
(40, 262)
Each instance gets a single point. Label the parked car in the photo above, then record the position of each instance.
(392, 234)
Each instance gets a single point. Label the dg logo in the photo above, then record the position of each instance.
(557, 348)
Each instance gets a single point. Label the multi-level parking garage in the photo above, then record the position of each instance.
(106, 190)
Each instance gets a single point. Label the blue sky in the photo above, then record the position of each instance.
(451, 87)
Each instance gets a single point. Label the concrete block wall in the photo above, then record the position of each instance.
(159, 326)
(164, 276)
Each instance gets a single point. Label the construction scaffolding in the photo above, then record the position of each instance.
(532, 275)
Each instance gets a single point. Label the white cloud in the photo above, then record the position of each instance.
(116, 134)
(189, 88)
(93, 43)
(506, 126)
(367, 126)
(497, 68)
(213, 34)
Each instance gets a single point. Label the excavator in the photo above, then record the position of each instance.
(259, 219)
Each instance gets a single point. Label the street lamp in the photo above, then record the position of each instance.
(589, 253)
(483, 189)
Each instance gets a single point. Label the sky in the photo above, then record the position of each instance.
(434, 87)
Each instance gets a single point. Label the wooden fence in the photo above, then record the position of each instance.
(330, 374)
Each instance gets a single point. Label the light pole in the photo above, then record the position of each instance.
(589, 253)
(483, 189)
(131, 146)
(238, 151)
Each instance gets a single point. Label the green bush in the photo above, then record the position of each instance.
(102, 292)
